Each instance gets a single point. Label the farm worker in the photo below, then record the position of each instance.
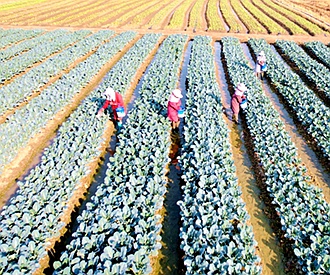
(173, 106)
(260, 65)
(236, 99)
(115, 100)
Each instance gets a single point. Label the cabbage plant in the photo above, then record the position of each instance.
(315, 72)
(308, 108)
(214, 235)
(21, 62)
(302, 210)
(31, 118)
(320, 50)
(22, 87)
(12, 36)
(120, 227)
(50, 185)
(36, 37)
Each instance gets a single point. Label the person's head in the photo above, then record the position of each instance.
(110, 94)
(240, 89)
(176, 95)
(262, 53)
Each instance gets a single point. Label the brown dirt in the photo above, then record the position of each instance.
(268, 248)
(300, 39)
(168, 18)
(320, 8)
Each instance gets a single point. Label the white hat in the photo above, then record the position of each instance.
(177, 93)
(110, 93)
(241, 87)
(262, 53)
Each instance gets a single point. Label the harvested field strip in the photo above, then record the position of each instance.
(130, 13)
(307, 14)
(162, 18)
(305, 24)
(179, 19)
(197, 19)
(248, 20)
(75, 15)
(143, 16)
(96, 19)
(272, 26)
(110, 13)
(31, 15)
(285, 22)
(214, 17)
(19, 4)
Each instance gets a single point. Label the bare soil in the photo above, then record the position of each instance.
(319, 8)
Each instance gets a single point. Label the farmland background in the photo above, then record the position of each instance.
(78, 197)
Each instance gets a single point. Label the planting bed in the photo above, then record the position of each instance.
(80, 197)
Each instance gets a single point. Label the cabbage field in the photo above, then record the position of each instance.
(60, 216)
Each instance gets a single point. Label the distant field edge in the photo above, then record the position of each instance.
(19, 4)
(243, 37)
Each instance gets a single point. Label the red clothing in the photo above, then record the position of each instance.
(119, 102)
(235, 101)
(172, 110)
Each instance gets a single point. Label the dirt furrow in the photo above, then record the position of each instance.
(268, 249)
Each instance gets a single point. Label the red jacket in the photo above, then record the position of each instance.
(119, 102)
(172, 110)
(235, 101)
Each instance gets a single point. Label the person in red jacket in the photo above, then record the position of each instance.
(236, 99)
(115, 100)
(173, 106)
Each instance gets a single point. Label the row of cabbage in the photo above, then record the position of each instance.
(12, 36)
(25, 45)
(316, 72)
(21, 62)
(303, 212)
(33, 216)
(215, 235)
(24, 86)
(120, 227)
(27, 121)
(309, 109)
(320, 50)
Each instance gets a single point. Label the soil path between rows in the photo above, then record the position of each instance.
(268, 249)
(270, 38)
